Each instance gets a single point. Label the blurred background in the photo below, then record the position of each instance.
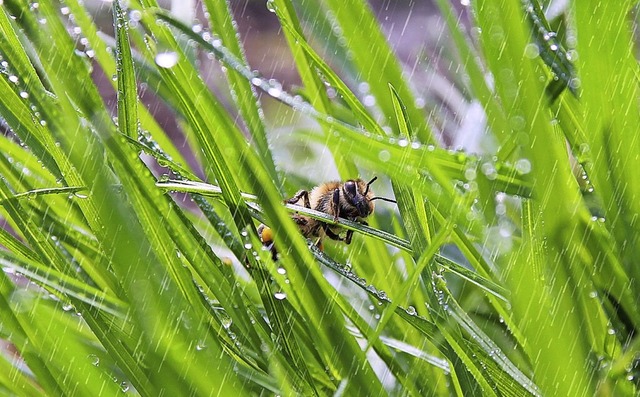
(414, 30)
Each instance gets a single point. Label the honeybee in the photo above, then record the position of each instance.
(352, 200)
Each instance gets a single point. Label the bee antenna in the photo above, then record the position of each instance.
(368, 184)
(383, 199)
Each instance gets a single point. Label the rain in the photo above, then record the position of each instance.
(319, 197)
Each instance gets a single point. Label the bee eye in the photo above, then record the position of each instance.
(350, 188)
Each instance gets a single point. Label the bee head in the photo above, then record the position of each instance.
(358, 194)
(355, 193)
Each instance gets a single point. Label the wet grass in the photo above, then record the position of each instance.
(507, 271)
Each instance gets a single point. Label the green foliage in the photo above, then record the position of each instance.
(512, 271)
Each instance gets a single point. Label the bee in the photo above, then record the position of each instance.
(352, 200)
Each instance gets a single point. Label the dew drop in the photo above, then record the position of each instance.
(95, 360)
(523, 166)
(531, 51)
(384, 156)
(280, 295)
(167, 59)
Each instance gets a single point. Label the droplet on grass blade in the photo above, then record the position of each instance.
(167, 59)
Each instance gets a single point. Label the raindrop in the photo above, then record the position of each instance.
(384, 156)
(369, 100)
(282, 270)
(135, 15)
(256, 81)
(13, 79)
(403, 142)
(248, 246)
(95, 360)
(200, 346)
(167, 59)
(411, 310)
(271, 6)
(470, 174)
(489, 170)
(517, 122)
(226, 322)
(574, 83)
(274, 91)
(523, 166)
(280, 295)
(24, 94)
(531, 51)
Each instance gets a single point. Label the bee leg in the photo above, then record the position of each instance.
(330, 233)
(302, 194)
(347, 238)
(335, 205)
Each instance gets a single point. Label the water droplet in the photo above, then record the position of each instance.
(523, 166)
(95, 360)
(574, 83)
(135, 15)
(470, 174)
(167, 59)
(384, 156)
(531, 51)
(271, 6)
(411, 310)
(274, 91)
(280, 295)
(489, 170)
(369, 100)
